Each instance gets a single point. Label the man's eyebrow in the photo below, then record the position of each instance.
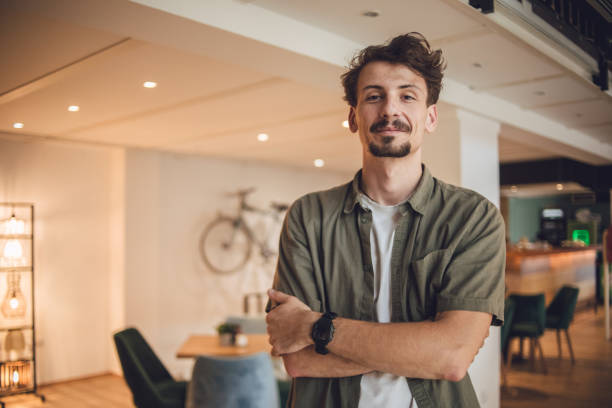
(378, 87)
(409, 86)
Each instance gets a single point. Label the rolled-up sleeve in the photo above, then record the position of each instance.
(474, 277)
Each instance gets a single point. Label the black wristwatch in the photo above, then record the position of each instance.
(323, 332)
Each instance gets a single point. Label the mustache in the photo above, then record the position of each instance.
(398, 124)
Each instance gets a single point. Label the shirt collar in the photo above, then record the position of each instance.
(417, 200)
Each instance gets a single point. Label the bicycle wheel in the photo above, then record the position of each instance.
(225, 247)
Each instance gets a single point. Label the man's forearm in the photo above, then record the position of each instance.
(440, 349)
(443, 349)
(308, 363)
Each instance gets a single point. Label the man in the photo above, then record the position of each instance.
(412, 267)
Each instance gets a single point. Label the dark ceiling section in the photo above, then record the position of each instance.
(597, 178)
(588, 23)
(485, 6)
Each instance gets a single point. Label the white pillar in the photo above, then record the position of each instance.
(464, 151)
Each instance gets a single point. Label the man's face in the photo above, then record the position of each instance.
(391, 115)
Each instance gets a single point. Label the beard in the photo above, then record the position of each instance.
(386, 148)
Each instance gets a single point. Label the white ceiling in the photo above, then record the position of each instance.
(217, 104)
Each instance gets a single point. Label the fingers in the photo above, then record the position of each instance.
(278, 296)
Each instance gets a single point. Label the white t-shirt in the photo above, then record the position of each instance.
(383, 390)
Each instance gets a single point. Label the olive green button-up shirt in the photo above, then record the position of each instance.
(448, 254)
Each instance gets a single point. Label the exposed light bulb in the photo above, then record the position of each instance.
(13, 249)
(14, 302)
(14, 226)
(150, 84)
(73, 108)
(263, 137)
(15, 376)
(18, 125)
(12, 255)
(319, 163)
(345, 124)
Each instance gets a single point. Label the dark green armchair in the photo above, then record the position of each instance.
(151, 384)
(560, 314)
(529, 321)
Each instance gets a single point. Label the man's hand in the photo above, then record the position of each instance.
(289, 323)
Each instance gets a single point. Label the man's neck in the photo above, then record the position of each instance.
(390, 181)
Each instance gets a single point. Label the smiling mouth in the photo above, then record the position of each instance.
(384, 126)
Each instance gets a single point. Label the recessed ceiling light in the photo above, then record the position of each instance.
(514, 189)
(319, 163)
(477, 65)
(263, 137)
(345, 124)
(150, 84)
(371, 13)
(559, 186)
(73, 108)
(18, 125)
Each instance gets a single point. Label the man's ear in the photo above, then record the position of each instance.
(431, 123)
(351, 120)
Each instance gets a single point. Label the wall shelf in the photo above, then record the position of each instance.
(17, 328)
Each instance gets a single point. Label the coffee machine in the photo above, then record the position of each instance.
(553, 226)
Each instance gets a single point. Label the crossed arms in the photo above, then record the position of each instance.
(439, 349)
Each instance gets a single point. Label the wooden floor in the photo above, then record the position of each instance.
(108, 391)
(588, 383)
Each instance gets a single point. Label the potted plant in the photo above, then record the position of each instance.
(227, 333)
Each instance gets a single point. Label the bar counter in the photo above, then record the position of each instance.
(545, 271)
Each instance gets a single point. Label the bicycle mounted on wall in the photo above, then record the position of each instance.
(227, 242)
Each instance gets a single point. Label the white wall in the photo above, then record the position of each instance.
(116, 273)
(70, 188)
(441, 148)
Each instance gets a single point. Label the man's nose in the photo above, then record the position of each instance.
(390, 108)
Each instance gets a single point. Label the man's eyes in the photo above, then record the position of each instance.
(377, 97)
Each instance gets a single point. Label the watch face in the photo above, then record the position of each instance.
(325, 335)
(323, 331)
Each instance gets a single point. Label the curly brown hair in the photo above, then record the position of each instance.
(411, 50)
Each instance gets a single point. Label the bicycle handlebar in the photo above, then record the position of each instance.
(242, 194)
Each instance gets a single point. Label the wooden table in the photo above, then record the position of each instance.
(208, 345)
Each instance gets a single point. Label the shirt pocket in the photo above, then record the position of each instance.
(424, 282)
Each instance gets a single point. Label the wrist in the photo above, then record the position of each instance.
(310, 321)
